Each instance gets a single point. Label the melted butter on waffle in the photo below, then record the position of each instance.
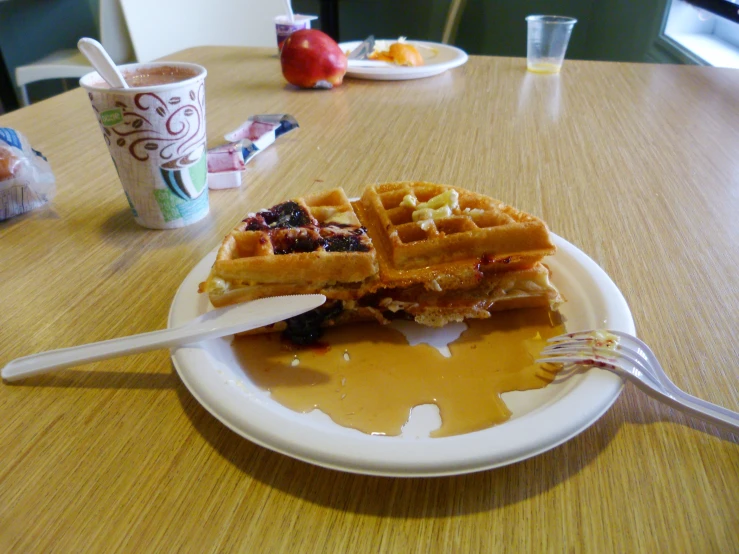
(439, 207)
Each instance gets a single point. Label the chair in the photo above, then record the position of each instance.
(162, 27)
(454, 15)
(70, 63)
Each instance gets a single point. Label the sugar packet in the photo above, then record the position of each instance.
(226, 162)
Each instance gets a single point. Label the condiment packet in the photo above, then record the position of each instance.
(26, 179)
(226, 162)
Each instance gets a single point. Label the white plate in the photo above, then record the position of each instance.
(541, 420)
(437, 57)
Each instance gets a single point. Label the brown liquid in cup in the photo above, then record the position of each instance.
(163, 75)
(152, 76)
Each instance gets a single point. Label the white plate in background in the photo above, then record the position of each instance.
(437, 57)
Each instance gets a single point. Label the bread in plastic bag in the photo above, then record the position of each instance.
(26, 179)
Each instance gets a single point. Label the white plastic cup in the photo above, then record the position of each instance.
(156, 136)
(284, 27)
(546, 42)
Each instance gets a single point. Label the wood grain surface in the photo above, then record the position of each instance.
(637, 165)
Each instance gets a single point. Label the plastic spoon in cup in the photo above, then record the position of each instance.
(289, 11)
(217, 323)
(102, 63)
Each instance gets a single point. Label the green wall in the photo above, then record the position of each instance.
(614, 30)
(500, 27)
(32, 29)
(624, 31)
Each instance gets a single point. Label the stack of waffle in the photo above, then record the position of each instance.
(422, 251)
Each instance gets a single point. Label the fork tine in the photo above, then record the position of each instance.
(563, 348)
(589, 346)
(635, 351)
(601, 353)
(637, 345)
(575, 347)
(645, 352)
(584, 337)
(635, 363)
(579, 353)
(632, 371)
(567, 360)
(593, 358)
(571, 336)
(588, 336)
(652, 364)
(633, 360)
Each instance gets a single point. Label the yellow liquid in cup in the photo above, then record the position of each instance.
(544, 67)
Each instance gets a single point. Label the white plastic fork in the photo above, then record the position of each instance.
(629, 358)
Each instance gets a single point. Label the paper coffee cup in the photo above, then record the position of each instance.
(155, 132)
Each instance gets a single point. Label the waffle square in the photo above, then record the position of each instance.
(467, 226)
(299, 246)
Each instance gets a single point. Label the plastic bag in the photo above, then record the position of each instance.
(26, 179)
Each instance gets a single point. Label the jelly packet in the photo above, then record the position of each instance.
(26, 179)
(226, 162)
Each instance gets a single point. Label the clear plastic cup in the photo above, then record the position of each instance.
(546, 42)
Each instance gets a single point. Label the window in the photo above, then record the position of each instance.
(705, 32)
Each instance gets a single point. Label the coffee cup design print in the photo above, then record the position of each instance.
(186, 180)
(157, 140)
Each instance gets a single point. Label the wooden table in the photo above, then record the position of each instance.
(637, 165)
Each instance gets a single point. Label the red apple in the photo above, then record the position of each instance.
(312, 59)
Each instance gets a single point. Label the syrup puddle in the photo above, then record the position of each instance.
(368, 376)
